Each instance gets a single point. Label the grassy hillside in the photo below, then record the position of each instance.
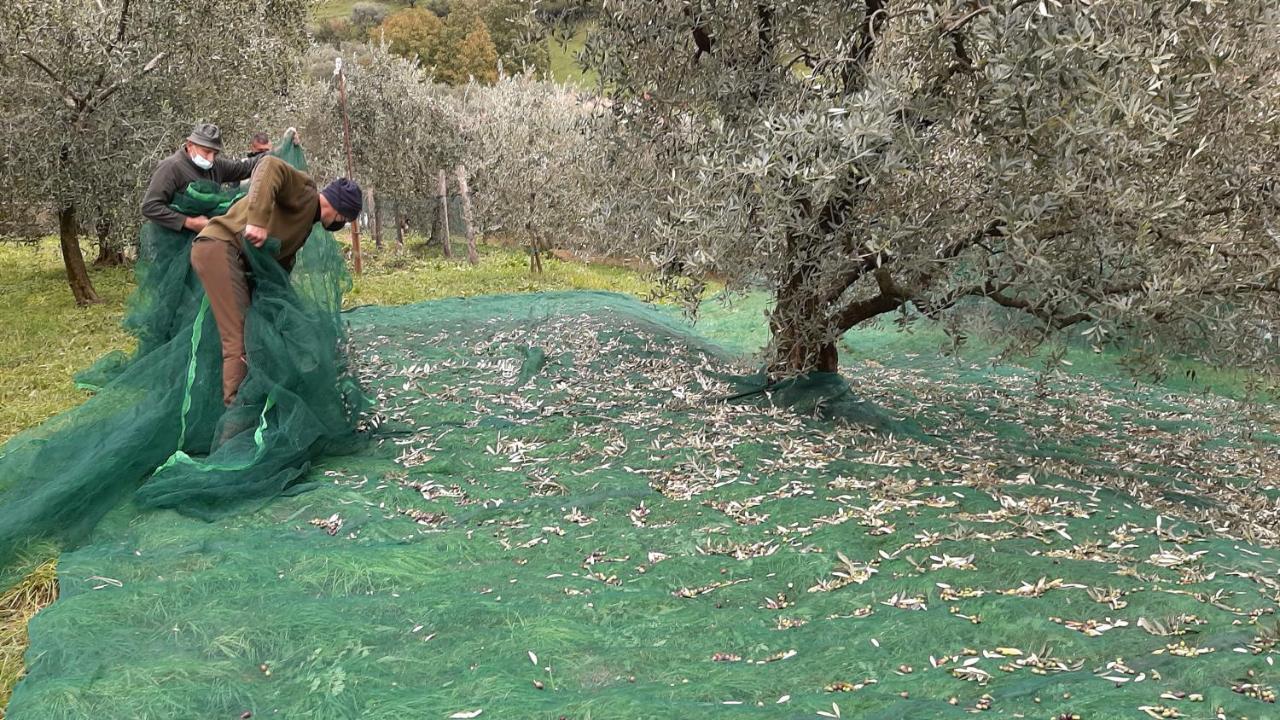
(328, 9)
(564, 67)
(564, 59)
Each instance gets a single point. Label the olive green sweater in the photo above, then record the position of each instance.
(283, 200)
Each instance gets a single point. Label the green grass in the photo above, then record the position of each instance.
(17, 606)
(46, 338)
(564, 59)
(330, 9)
(395, 277)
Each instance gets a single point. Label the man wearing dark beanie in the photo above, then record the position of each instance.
(282, 203)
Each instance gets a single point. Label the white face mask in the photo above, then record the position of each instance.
(201, 162)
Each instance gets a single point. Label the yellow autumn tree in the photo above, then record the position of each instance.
(474, 55)
(453, 50)
(412, 32)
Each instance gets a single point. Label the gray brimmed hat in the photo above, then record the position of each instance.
(206, 135)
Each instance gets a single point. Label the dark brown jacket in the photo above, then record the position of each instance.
(175, 173)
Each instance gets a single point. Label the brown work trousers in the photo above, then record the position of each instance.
(222, 272)
(221, 268)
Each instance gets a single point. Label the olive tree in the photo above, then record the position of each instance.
(401, 131)
(366, 15)
(535, 163)
(1099, 167)
(96, 92)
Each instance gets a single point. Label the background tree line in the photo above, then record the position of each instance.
(98, 93)
(454, 40)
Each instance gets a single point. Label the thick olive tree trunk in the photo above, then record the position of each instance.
(797, 326)
(77, 274)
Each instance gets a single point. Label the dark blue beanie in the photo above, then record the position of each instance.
(344, 196)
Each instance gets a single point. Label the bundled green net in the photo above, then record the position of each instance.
(557, 517)
(155, 434)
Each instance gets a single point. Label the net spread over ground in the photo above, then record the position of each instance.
(555, 519)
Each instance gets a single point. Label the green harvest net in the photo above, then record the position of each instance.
(556, 518)
(157, 415)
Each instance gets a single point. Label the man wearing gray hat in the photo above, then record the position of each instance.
(196, 160)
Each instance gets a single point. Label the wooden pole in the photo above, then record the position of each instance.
(375, 209)
(443, 192)
(535, 250)
(472, 256)
(351, 172)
